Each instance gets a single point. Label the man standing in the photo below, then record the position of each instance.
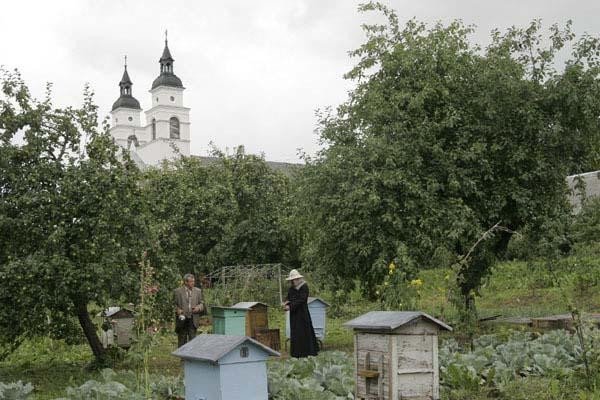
(189, 305)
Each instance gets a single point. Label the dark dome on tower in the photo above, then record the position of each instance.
(126, 100)
(167, 77)
(167, 80)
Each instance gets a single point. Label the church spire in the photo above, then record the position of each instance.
(166, 77)
(126, 99)
(125, 83)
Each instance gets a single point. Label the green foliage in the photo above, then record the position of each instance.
(328, 376)
(47, 351)
(495, 363)
(121, 386)
(399, 290)
(440, 140)
(568, 235)
(70, 209)
(585, 230)
(231, 212)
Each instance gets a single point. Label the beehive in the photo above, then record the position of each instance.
(228, 321)
(257, 323)
(396, 355)
(257, 317)
(317, 308)
(223, 367)
(123, 325)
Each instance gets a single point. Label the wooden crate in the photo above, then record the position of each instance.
(269, 337)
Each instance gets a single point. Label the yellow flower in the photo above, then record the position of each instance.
(416, 282)
(392, 266)
(385, 283)
(391, 272)
(377, 292)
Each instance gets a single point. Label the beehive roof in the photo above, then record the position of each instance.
(116, 311)
(311, 299)
(391, 320)
(247, 305)
(214, 347)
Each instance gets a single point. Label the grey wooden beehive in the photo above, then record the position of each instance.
(396, 355)
(222, 367)
(123, 324)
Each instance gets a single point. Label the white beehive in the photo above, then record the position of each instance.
(396, 355)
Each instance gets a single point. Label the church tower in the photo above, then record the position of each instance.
(168, 121)
(126, 124)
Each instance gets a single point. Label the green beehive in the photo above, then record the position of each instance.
(229, 321)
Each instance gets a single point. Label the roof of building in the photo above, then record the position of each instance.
(214, 347)
(167, 79)
(390, 320)
(125, 80)
(311, 299)
(247, 305)
(285, 167)
(166, 55)
(126, 101)
(137, 159)
(110, 311)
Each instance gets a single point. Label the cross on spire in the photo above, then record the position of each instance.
(166, 36)
(125, 61)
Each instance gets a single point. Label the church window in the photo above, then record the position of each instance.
(153, 129)
(174, 128)
(172, 98)
(130, 119)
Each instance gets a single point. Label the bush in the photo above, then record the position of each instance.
(586, 229)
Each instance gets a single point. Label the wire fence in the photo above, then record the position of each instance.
(235, 283)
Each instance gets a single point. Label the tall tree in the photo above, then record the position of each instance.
(233, 210)
(441, 139)
(71, 225)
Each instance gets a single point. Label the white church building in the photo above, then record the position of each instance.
(165, 132)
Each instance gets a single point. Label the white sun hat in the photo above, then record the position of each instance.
(294, 274)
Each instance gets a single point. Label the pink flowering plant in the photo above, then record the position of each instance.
(147, 322)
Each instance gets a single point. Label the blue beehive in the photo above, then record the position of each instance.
(222, 367)
(229, 320)
(318, 314)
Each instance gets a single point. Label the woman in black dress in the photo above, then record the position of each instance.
(303, 341)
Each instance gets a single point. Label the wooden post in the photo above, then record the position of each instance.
(280, 290)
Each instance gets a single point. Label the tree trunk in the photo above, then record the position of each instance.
(89, 329)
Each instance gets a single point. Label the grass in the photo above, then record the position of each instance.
(514, 289)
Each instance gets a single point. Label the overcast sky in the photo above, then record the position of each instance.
(254, 71)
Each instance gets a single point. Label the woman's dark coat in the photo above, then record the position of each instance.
(303, 341)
